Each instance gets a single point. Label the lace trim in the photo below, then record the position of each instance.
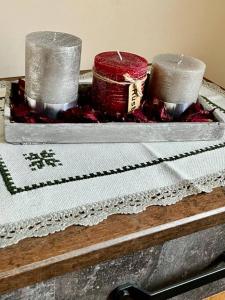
(97, 212)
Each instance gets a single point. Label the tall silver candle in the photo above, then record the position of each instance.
(52, 66)
(176, 80)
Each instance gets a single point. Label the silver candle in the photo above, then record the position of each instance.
(52, 66)
(176, 80)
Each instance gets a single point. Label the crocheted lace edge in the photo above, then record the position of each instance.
(95, 213)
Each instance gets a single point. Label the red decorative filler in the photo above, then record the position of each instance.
(150, 111)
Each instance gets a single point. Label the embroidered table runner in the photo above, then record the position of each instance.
(46, 188)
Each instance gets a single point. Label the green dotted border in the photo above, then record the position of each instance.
(213, 104)
(7, 178)
(13, 189)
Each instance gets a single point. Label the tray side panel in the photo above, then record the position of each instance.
(110, 133)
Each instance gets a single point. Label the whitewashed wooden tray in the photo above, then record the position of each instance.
(21, 133)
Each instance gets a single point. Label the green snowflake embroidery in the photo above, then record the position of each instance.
(43, 159)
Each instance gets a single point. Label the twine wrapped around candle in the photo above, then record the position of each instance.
(128, 80)
(118, 82)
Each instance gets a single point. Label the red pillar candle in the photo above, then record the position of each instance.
(113, 73)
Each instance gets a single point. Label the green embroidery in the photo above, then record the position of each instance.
(42, 159)
(13, 189)
(7, 178)
(213, 104)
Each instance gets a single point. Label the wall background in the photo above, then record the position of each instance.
(145, 27)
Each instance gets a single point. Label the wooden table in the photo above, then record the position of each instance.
(37, 259)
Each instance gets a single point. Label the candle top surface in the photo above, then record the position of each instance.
(50, 39)
(179, 62)
(120, 63)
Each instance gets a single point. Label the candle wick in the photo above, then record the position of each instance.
(120, 56)
(181, 59)
(54, 37)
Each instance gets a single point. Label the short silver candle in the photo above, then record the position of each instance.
(176, 80)
(52, 66)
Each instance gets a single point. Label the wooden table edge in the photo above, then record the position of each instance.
(41, 269)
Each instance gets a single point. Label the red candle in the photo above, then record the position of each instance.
(110, 86)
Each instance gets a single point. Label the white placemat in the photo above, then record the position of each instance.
(46, 188)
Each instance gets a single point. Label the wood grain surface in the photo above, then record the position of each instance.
(220, 296)
(36, 259)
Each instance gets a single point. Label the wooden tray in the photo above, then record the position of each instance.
(21, 133)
